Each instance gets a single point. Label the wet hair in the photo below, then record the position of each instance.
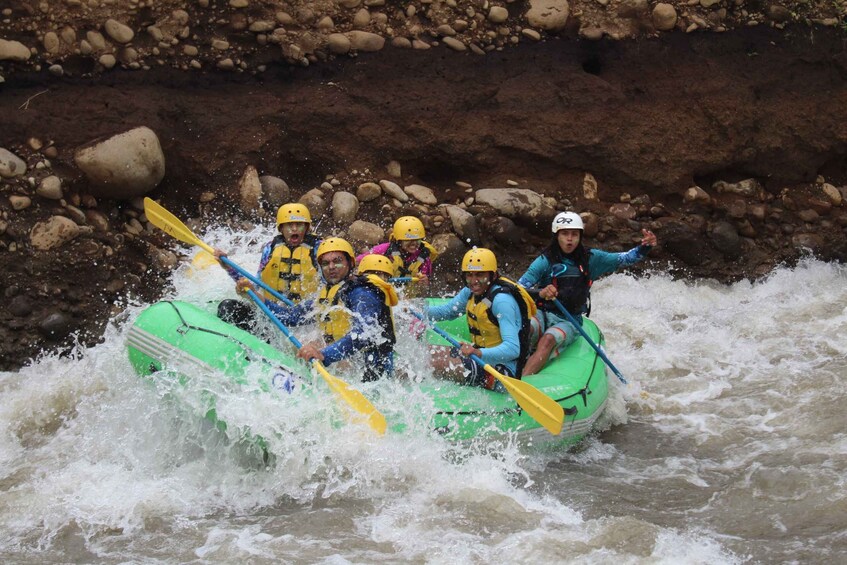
(554, 252)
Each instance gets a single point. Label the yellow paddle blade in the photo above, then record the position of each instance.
(354, 398)
(202, 260)
(541, 407)
(171, 225)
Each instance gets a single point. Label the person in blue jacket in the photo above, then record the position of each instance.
(498, 314)
(566, 270)
(353, 310)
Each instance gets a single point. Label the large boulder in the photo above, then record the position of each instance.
(464, 224)
(124, 166)
(10, 164)
(549, 15)
(365, 41)
(250, 190)
(13, 51)
(345, 206)
(515, 202)
(683, 242)
(275, 191)
(365, 234)
(53, 232)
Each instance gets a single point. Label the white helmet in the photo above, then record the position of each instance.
(567, 221)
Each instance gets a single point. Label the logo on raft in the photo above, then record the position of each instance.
(284, 381)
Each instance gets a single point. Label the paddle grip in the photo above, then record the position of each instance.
(252, 278)
(578, 327)
(448, 337)
(264, 307)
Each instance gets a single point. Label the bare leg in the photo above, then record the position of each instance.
(537, 360)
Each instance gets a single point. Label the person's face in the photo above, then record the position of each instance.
(294, 232)
(478, 281)
(410, 245)
(334, 266)
(568, 239)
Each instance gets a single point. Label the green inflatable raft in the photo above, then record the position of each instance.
(178, 341)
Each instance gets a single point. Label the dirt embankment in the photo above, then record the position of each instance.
(731, 146)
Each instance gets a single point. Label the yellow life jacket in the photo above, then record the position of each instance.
(333, 315)
(292, 272)
(484, 326)
(334, 312)
(401, 269)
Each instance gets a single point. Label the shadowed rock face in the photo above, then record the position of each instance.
(646, 119)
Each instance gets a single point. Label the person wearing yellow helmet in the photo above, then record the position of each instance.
(409, 253)
(498, 312)
(378, 265)
(566, 270)
(354, 311)
(288, 264)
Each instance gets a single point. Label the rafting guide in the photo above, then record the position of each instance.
(565, 271)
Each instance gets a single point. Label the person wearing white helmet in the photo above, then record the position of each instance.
(566, 270)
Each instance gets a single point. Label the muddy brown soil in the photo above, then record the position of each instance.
(648, 119)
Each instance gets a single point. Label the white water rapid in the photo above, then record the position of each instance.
(728, 446)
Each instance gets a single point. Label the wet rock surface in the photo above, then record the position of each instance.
(732, 147)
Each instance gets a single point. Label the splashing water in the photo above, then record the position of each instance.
(728, 446)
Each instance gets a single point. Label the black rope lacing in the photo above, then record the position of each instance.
(244, 347)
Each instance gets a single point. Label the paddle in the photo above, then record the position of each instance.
(541, 407)
(172, 226)
(403, 279)
(351, 396)
(596, 347)
(203, 259)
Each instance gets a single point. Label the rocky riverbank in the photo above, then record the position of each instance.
(84, 37)
(730, 146)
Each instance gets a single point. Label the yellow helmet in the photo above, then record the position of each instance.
(408, 228)
(294, 212)
(480, 260)
(374, 262)
(336, 244)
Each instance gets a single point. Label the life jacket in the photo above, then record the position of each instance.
(334, 307)
(412, 269)
(485, 327)
(573, 285)
(292, 272)
(333, 316)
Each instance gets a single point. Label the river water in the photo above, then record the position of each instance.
(729, 445)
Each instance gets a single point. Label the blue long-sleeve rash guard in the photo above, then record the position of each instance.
(508, 315)
(540, 272)
(365, 303)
